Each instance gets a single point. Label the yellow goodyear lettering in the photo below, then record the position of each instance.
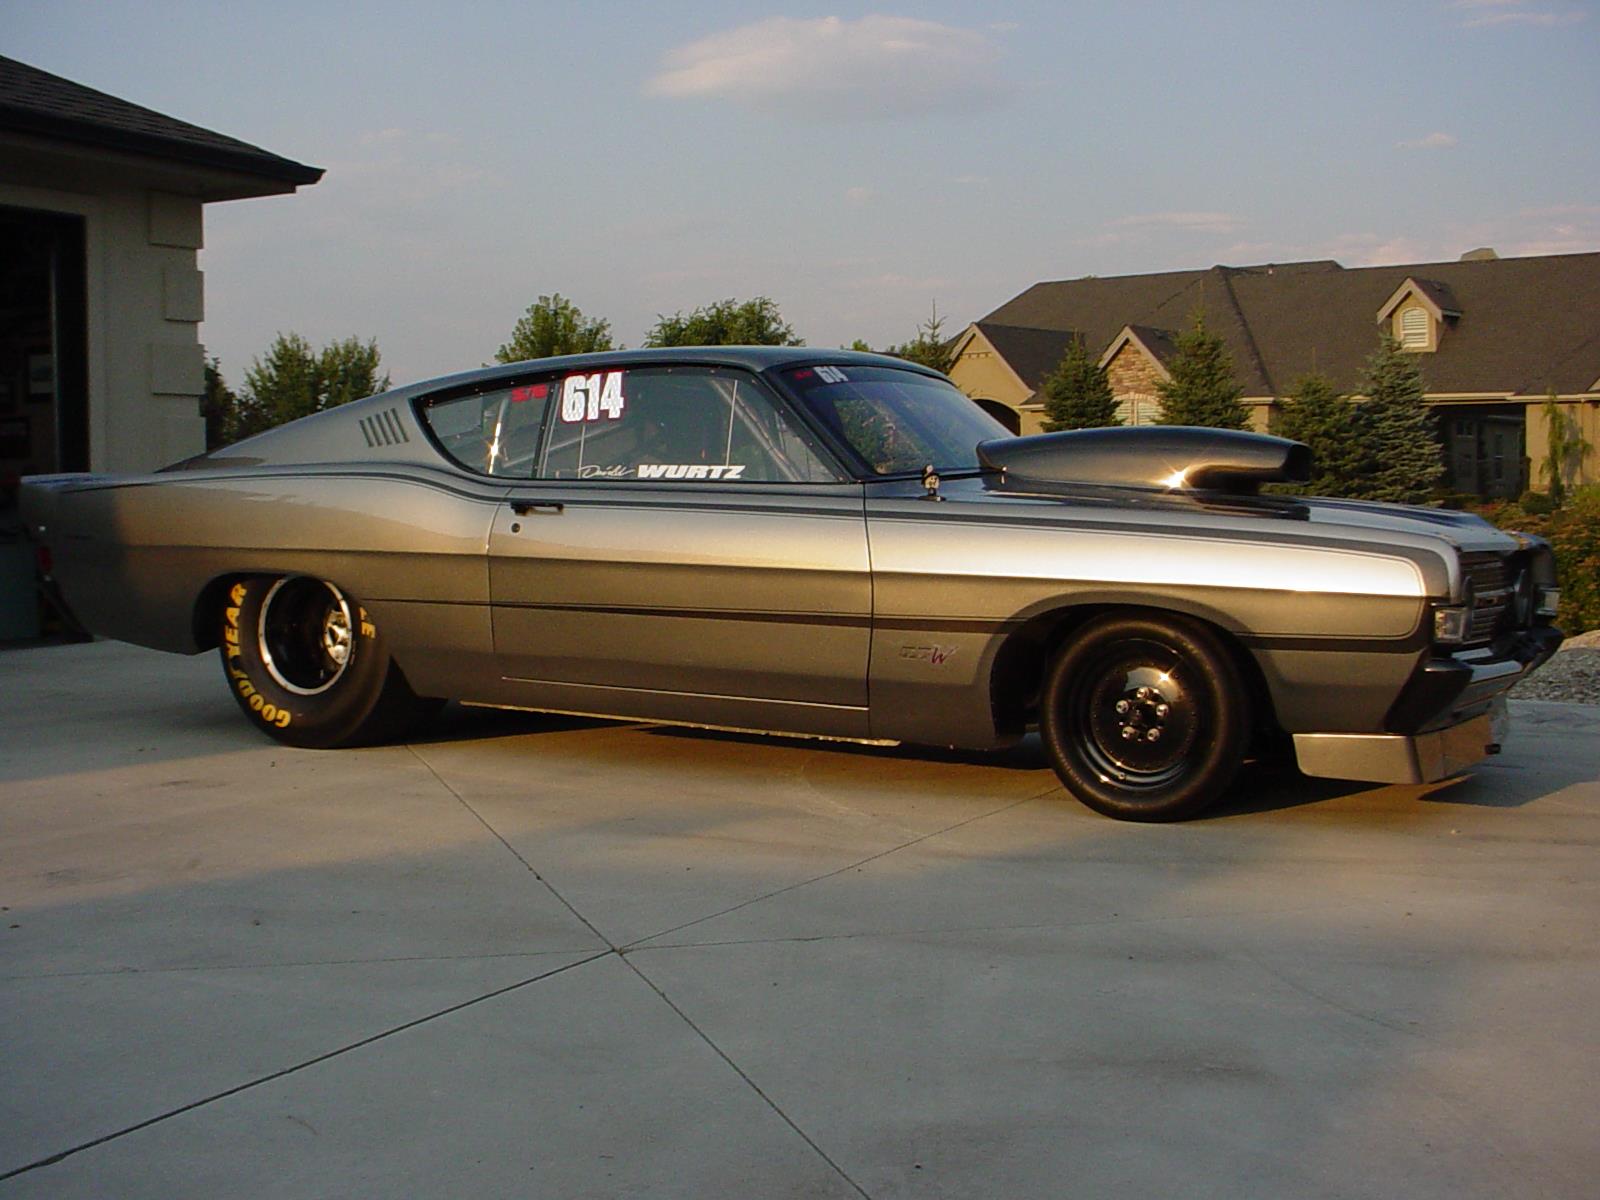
(368, 629)
(237, 596)
(270, 713)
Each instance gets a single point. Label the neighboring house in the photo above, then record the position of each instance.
(1493, 336)
(101, 297)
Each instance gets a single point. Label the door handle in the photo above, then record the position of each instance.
(523, 507)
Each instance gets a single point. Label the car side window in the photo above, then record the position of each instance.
(676, 424)
(494, 432)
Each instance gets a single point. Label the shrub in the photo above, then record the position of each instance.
(1573, 529)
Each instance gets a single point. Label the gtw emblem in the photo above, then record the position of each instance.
(934, 656)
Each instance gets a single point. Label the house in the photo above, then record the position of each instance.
(1493, 336)
(101, 296)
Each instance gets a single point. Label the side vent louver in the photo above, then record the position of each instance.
(383, 429)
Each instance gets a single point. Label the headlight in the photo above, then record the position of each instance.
(1451, 624)
(1549, 601)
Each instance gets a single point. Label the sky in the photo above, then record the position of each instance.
(858, 164)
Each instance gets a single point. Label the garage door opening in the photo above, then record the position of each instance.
(44, 393)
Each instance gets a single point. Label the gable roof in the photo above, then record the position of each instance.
(1159, 344)
(1031, 353)
(45, 105)
(1525, 324)
(1435, 297)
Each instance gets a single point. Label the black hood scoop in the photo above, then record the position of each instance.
(1164, 458)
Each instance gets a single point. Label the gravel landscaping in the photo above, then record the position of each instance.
(1572, 676)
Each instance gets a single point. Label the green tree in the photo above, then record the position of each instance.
(1401, 458)
(1565, 449)
(293, 381)
(554, 325)
(930, 347)
(1317, 413)
(1077, 394)
(220, 408)
(754, 322)
(1201, 389)
(859, 345)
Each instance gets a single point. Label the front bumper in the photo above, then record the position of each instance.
(1449, 716)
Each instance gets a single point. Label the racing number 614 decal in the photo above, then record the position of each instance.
(591, 397)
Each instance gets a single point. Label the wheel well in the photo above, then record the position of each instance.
(1024, 659)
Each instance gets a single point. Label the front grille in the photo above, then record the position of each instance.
(1490, 576)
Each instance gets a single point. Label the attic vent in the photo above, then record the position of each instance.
(1414, 329)
(383, 429)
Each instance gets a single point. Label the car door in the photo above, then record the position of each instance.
(684, 552)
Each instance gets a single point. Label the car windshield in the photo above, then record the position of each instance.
(896, 420)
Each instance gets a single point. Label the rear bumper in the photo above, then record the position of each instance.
(1449, 716)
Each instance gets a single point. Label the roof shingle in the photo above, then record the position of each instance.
(39, 103)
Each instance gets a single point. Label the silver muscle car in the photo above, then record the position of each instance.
(819, 543)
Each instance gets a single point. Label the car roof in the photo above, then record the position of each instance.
(751, 358)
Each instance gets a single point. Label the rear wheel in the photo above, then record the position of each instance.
(308, 665)
(1144, 717)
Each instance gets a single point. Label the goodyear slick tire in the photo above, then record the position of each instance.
(1144, 716)
(308, 665)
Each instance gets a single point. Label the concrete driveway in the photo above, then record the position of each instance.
(541, 957)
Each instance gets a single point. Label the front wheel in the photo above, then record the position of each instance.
(1144, 717)
(309, 666)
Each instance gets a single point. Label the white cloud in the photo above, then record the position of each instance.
(1197, 222)
(878, 66)
(1481, 14)
(1431, 141)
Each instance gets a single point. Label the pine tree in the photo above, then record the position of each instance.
(929, 347)
(1201, 389)
(1316, 413)
(1077, 394)
(1401, 457)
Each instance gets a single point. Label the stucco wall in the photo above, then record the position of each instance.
(144, 299)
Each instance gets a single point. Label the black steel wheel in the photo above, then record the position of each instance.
(1144, 716)
(308, 665)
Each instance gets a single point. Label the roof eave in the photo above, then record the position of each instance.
(260, 165)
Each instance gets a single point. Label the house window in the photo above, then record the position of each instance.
(1414, 329)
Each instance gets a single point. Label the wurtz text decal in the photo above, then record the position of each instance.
(592, 397)
(690, 471)
(831, 375)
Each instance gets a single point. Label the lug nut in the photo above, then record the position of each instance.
(1152, 735)
(1123, 706)
(1162, 710)
(1129, 733)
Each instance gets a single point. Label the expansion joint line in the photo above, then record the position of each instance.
(622, 956)
(53, 1159)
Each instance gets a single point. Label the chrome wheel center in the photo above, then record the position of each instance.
(1143, 715)
(336, 635)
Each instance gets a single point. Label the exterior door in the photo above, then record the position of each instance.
(683, 551)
